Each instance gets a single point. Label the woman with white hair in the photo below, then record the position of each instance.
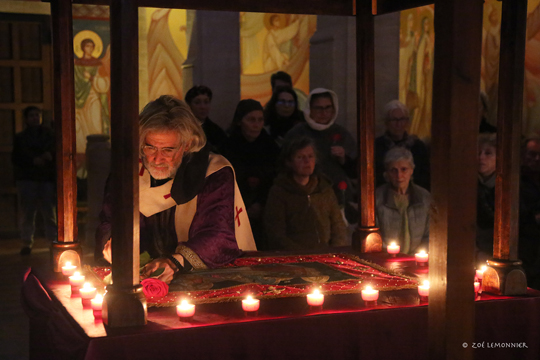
(402, 207)
(396, 119)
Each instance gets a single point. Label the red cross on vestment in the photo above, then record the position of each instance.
(237, 217)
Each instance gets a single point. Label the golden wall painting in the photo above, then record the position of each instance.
(270, 43)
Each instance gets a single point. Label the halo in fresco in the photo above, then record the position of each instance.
(87, 34)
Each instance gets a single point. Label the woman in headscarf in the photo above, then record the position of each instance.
(253, 154)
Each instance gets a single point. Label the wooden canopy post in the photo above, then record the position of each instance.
(66, 248)
(366, 238)
(504, 274)
(456, 89)
(124, 303)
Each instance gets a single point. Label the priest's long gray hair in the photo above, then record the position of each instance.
(168, 113)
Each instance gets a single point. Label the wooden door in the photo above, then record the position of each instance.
(25, 79)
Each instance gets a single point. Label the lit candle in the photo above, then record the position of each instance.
(185, 309)
(421, 258)
(76, 281)
(87, 292)
(250, 304)
(476, 286)
(423, 290)
(315, 298)
(96, 304)
(393, 249)
(68, 269)
(368, 294)
(480, 272)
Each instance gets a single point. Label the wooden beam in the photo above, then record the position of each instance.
(456, 92)
(66, 248)
(382, 7)
(366, 237)
(125, 304)
(313, 7)
(510, 109)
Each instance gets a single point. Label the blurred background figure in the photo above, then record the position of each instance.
(35, 174)
(253, 154)
(199, 99)
(302, 210)
(403, 207)
(281, 113)
(396, 120)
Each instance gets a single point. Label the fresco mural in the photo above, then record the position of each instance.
(416, 66)
(273, 42)
(91, 47)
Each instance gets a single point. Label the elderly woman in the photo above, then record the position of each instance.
(302, 210)
(281, 112)
(396, 120)
(485, 212)
(403, 207)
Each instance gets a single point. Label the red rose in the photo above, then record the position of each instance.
(153, 287)
(342, 185)
(336, 137)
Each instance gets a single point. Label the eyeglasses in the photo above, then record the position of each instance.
(321, 109)
(167, 152)
(286, 102)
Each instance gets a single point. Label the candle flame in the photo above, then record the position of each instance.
(184, 303)
(68, 263)
(77, 274)
(393, 244)
(483, 268)
(422, 252)
(87, 285)
(98, 298)
(369, 288)
(316, 292)
(426, 283)
(249, 298)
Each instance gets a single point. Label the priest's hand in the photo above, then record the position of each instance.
(168, 269)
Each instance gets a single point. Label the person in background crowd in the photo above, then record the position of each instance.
(35, 175)
(280, 78)
(281, 113)
(253, 154)
(529, 211)
(302, 210)
(396, 119)
(335, 146)
(403, 207)
(199, 99)
(485, 211)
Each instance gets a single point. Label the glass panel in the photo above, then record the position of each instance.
(30, 41)
(32, 85)
(6, 84)
(5, 40)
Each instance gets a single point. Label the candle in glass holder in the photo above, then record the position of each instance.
(250, 304)
(393, 249)
(315, 298)
(480, 272)
(476, 287)
(97, 304)
(88, 292)
(421, 258)
(368, 294)
(423, 290)
(68, 269)
(76, 281)
(185, 309)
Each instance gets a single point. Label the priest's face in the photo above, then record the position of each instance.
(163, 152)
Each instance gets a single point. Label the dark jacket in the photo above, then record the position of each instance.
(29, 144)
(303, 217)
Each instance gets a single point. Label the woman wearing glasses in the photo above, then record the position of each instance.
(281, 113)
(336, 148)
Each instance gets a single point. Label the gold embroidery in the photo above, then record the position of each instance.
(191, 256)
